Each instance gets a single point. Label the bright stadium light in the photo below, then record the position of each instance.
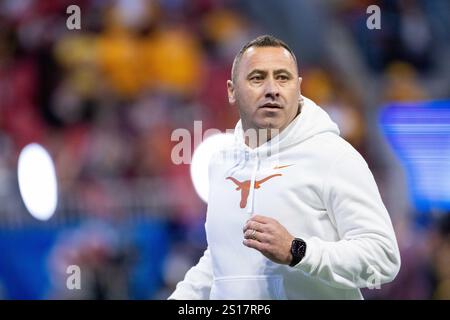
(37, 181)
(201, 158)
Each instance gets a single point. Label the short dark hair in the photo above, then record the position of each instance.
(261, 41)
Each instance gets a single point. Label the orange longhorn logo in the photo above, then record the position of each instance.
(245, 187)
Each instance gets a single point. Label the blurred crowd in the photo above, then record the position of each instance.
(105, 99)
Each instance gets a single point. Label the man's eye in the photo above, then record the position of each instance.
(256, 78)
(283, 78)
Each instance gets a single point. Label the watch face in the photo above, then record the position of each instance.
(299, 248)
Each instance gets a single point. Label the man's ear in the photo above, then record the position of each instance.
(300, 84)
(230, 89)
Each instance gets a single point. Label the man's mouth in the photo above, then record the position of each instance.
(271, 105)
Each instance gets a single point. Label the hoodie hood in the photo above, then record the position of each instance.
(311, 121)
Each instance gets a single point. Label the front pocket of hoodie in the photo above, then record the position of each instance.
(248, 288)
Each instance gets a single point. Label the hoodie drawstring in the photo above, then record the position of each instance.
(252, 186)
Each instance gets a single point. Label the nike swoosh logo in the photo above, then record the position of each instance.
(281, 167)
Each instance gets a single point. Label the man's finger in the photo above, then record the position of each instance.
(258, 236)
(261, 219)
(253, 225)
(254, 244)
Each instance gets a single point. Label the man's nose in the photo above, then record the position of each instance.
(271, 89)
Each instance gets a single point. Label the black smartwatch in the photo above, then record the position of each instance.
(298, 251)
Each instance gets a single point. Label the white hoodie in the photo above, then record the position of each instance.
(321, 190)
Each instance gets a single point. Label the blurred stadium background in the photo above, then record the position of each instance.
(105, 99)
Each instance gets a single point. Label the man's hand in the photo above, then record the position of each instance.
(269, 237)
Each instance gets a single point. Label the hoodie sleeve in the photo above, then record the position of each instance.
(367, 253)
(197, 281)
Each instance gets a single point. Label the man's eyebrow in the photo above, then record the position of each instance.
(276, 72)
(256, 71)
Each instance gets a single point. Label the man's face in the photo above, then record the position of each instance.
(266, 88)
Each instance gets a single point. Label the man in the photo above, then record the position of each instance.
(297, 215)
